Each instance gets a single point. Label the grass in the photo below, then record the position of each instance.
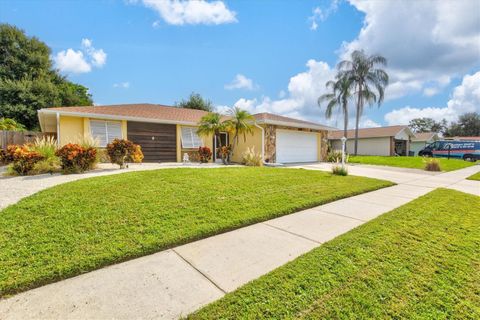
(83, 225)
(420, 261)
(476, 176)
(410, 162)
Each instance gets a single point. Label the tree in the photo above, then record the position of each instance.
(211, 124)
(467, 125)
(339, 96)
(419, 125)
(240, 124)
(366, 77)
(195, 101)
(29, 82)
(10, 125)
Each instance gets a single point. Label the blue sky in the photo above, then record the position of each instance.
(280, 52)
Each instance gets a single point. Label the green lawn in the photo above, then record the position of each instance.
(476, 176)
(83, 225)
(420, 261)
(410, 162)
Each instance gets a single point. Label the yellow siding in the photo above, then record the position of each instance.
(179, 143)
(71, 129)
(124, 129)
(254, 140)
(319, 149)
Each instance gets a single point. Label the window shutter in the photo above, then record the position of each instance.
(98, 130)
(114, 130)
(190, 138)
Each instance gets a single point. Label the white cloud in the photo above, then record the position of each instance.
(98, 57)
(124, 85)
(193, 12)
(300, 101)
(365, 123)
(426, 42)
(156, 24)
(241, 82)
(321, 14)
(80, 61)
(465, 98)
(71, 61)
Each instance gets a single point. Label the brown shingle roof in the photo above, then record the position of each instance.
(368, 132)
(143, 111)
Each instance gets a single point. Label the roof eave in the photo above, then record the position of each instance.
(294, 125)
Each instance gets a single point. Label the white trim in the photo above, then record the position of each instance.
(113, 117)
(58, 128)
(295, 125)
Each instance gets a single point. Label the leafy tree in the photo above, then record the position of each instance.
(368, 81)
(419, 125)
(211, 124)
(10, 125)
(468, 125)
(195, 101)
(29, 82)
(241, 123)
(341, 92)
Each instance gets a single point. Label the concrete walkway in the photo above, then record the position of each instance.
(175, 282)
(13, 189)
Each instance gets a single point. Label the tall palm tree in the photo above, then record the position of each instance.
(240, 123)
(211, 124)
(368, 80)
(340, 94)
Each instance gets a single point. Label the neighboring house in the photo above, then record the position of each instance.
(167, 133)
(381, 141)
(458, 138)
(421, 140)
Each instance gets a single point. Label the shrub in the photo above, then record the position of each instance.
(432, 165)
(74, 158)
(336, 156)
(23, 159)
(339, 170)
(137, 154)
(225, 153)
(119, 151)
(204, 154)
(47, 148)
(252, 158)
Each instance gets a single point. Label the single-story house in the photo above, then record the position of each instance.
(167, 133)
(463, 138)
(381, 141)
(421, 140)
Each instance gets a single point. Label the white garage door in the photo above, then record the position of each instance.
(296, 146)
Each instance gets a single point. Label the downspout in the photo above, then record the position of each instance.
(58, 129)
(263, 141)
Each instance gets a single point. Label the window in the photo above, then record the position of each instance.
(190, 138)
(105, 131)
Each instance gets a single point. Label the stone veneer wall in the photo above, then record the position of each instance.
(270, 143)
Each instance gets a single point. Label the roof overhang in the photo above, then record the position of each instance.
(295, 125)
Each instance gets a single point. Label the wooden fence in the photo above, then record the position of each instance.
(18, 137)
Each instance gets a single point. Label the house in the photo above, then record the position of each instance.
(381, 141)
(463, 138)
(167, 133)
(421, 140)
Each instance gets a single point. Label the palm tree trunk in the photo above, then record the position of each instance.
(357, 118)
(345, 119)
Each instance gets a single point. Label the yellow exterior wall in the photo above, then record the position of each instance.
(71, 129)
(254, 140)
(319, 149)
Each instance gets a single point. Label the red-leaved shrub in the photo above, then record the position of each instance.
(74, 158)
(22, 158)
(121, 150)
(204, 154)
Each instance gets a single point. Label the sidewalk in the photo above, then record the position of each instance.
(175, 282)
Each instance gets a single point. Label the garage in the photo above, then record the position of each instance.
(296, 146)
(158, 140)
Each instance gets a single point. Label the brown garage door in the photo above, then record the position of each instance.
(158, 141)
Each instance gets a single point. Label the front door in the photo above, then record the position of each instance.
(217, 143)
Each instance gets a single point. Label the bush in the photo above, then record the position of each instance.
(252, 158)
(339, 170)
(23, 159)
(225, 152)
(137, 154)
(47, 148)
(74, 158)
(120, 151)
(7, 155)
(432, 165)
(204, 154)
(336, 156)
